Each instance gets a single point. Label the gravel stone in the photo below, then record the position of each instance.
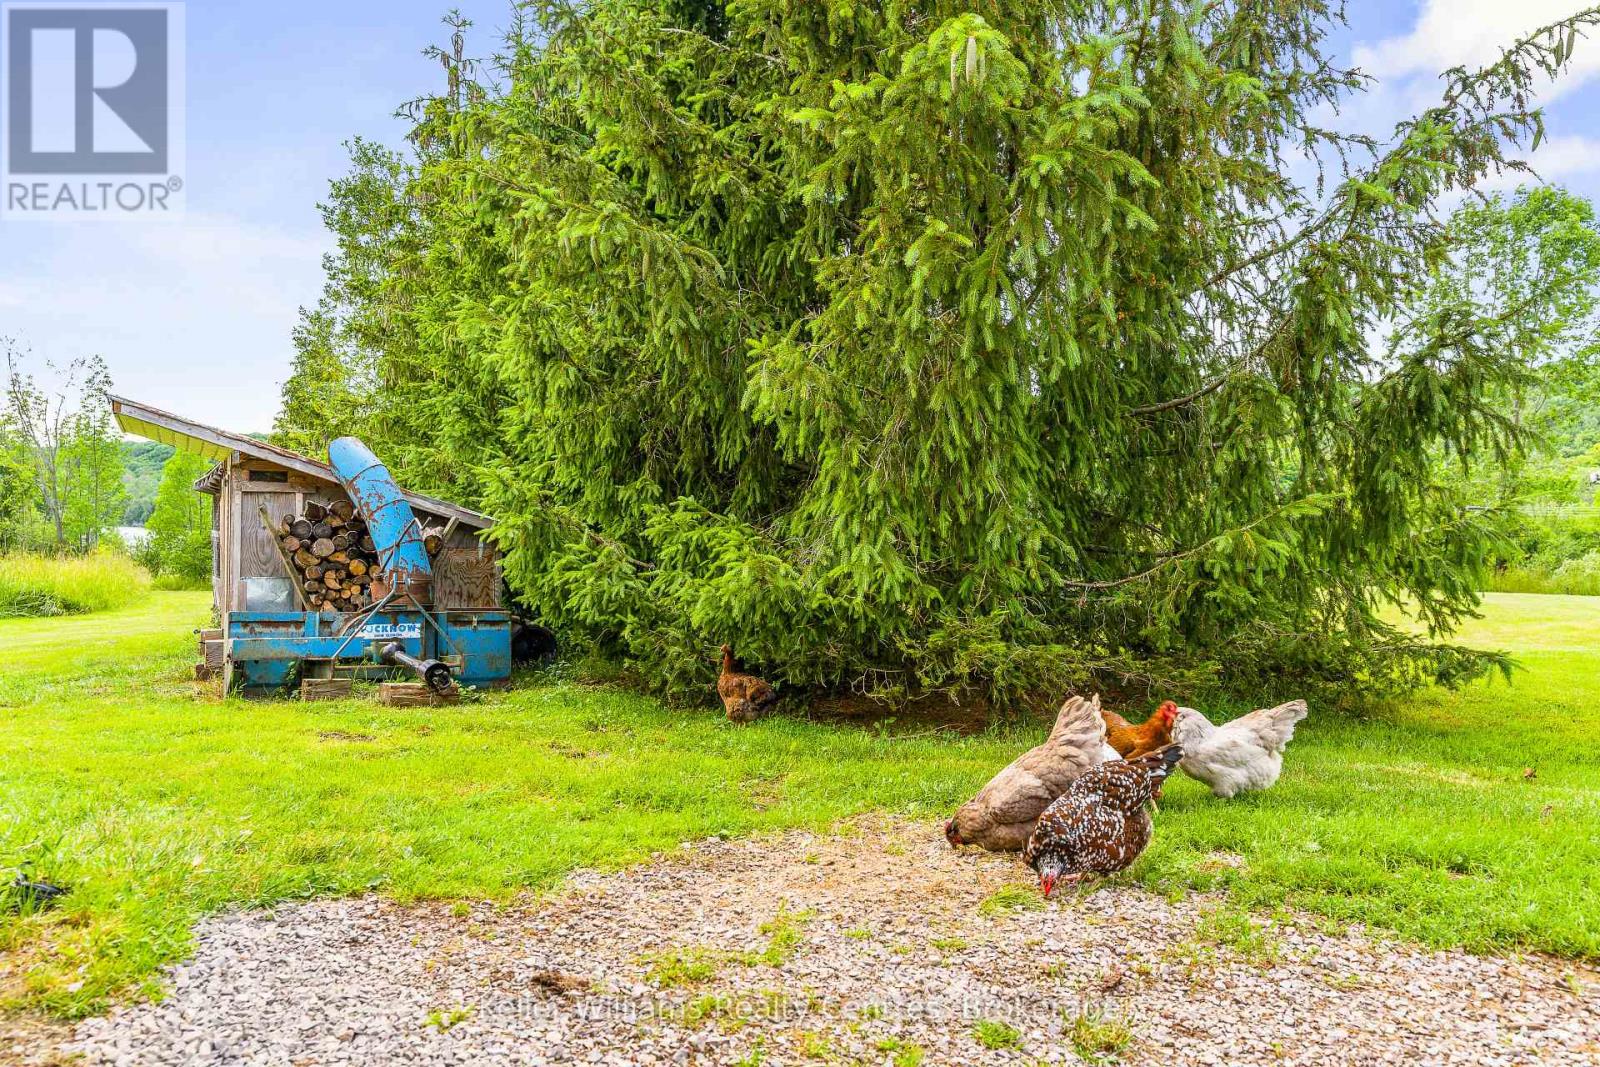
(874, 941)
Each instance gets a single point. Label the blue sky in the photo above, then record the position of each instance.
(196, 317)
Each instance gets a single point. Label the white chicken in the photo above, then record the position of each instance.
(1237, 756)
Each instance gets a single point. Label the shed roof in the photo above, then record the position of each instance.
(218, 445)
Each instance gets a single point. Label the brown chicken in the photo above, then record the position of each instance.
(745, 697)
(1100, 825)
(1132, 741)
(1002, 815)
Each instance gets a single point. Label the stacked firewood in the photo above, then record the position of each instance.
(328, 544)
(333, 553)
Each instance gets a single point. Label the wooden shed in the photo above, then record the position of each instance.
(255, 484)
(252, 474)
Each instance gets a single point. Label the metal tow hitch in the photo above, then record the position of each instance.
(436, 674)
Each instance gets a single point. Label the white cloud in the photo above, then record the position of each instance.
(1563, 157)
(1451, 33)
(1558, 160)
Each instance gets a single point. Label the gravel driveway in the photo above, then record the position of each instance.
(878, 945)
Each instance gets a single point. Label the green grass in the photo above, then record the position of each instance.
(159, 803)
(174, 583)
(443, 1019)
(905, 1053)
(996, 1035)
(684, 965)
(43, 586)
(1011, 898)
(1097, 1037)
(691, 964)
(1417, 816)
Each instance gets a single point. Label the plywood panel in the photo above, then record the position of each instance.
(466, 577)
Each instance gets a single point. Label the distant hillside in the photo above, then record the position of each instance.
(144, 460)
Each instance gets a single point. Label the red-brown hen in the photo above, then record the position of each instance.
(745, 697)
(1134, 740)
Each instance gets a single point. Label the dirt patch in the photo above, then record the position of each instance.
(28, 1040)
(876, 945)
(344, 735)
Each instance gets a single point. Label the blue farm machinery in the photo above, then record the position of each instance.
(384, 618)
(328, 572)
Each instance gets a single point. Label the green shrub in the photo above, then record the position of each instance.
(32, 585)
(1553, 553)
(1581, 575)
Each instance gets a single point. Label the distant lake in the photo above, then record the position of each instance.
(133, 536)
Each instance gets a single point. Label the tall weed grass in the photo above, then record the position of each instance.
(40, 586)
(1580, 577)
(178, 583)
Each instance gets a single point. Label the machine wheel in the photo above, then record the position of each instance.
(532, 643)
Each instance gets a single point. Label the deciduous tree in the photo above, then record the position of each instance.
(180, 526)
(91, 474)
(65, 429)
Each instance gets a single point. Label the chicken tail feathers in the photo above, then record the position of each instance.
(1274, 727)
(1159, 764)
(1080, 724)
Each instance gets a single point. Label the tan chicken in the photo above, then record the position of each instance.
(1001, 817)
(745, 697)
(1241, 755)
(1132, 741)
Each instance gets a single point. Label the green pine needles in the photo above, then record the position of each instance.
(984, 348)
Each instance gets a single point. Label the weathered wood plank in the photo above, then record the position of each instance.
(283, 558)
(260, 554)
(325, 688)
(414, 695)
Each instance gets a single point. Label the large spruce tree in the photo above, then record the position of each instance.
(921, 346)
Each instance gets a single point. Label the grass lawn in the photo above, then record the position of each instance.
(158, 803)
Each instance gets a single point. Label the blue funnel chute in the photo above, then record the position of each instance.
(392, 525)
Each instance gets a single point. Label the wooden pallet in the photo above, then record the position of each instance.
(414, 695)
(324, 688)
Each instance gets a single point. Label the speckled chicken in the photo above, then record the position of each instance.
(1099, 825)
(745, 697)
(1002, 815)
